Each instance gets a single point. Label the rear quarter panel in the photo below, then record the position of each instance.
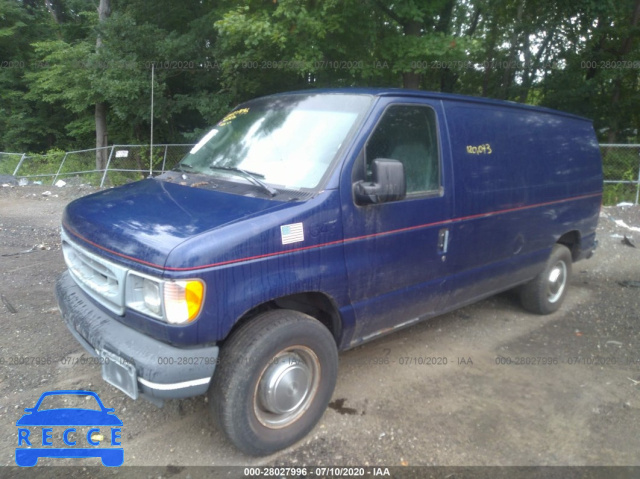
(523, 178)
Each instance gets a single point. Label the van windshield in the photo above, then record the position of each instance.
(284, 142)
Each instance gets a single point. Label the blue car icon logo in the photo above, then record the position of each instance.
(70, 424)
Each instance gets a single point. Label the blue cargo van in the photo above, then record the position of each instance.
(309, 222)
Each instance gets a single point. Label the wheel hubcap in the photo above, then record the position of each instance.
(287, 387)
(557, 281)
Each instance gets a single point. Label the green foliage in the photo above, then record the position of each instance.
(49, 99)
(577, 56)
(44, 165)
(620, 164)
(614, 193)
(24, 125)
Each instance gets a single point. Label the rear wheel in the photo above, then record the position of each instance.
(546, 292)
(274, 381)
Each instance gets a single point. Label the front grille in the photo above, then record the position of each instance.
(99, 278)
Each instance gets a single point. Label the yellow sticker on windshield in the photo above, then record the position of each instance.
(232, 116)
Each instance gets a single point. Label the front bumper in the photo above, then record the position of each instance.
(163, 371)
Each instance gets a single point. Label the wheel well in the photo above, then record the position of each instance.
(314, 304)
(572, 241)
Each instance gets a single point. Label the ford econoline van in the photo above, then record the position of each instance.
(310, 222)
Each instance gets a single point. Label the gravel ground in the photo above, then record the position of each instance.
(580, 409)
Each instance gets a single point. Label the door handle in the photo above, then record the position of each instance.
(443, 240)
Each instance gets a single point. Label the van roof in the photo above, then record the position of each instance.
(402, 92)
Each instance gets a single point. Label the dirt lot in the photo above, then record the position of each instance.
(581, 407)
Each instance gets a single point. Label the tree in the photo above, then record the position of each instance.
(102, 74)
(72, 70)
(335, 42)
(597, 73)
(25, 123)
(102, 140)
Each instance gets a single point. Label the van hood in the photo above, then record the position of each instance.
(146, 220)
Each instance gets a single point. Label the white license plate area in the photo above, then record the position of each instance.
(119, 373)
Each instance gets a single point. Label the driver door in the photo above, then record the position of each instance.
(397, 253)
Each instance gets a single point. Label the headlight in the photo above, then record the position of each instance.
(151, 296)
(175, 302)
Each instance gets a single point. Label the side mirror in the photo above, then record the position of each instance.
(388, 183)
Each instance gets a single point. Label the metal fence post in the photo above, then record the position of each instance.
(59, 168)
(164, 159)
(638, 185)
(106, 168)
(15, 172)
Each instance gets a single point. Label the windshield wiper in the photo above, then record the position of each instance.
(183, 167)
(252, 177)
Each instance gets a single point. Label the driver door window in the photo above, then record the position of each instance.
(408, 133)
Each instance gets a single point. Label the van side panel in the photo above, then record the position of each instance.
(523, 179)
(509, 157)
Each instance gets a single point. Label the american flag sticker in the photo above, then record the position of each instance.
(292, 233)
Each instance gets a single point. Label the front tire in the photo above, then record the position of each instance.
(545, 293)
(275, 378)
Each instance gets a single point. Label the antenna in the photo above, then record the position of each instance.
(151, 146)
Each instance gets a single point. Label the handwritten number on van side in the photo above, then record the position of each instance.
(480, 149)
